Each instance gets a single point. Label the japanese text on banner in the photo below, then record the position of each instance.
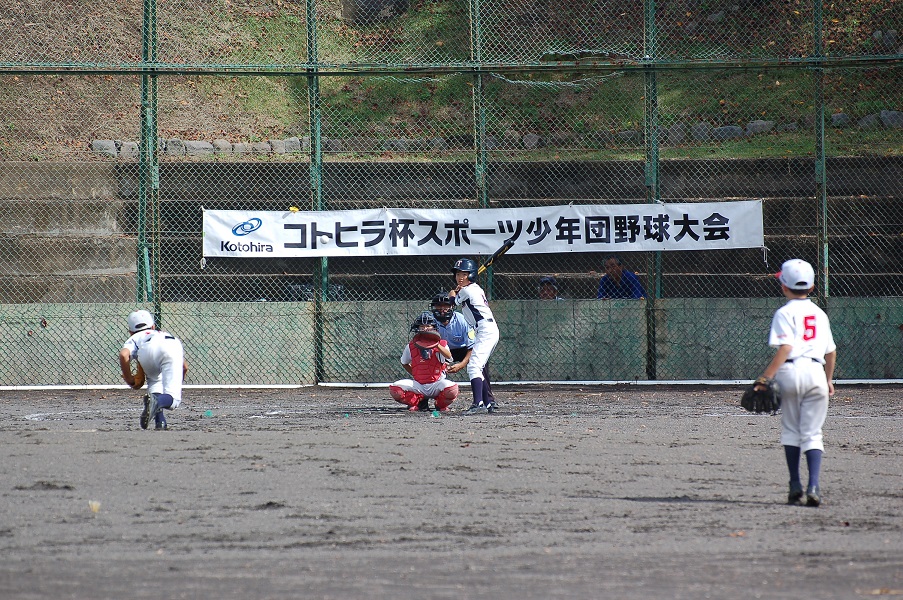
(536, 230)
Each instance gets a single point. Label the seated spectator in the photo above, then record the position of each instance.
(619, 282)
(548, 288)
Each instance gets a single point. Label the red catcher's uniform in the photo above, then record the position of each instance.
(428, 381)
(426, 370)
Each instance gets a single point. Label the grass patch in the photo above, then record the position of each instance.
(576, 114)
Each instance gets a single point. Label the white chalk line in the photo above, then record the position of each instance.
(275, 413)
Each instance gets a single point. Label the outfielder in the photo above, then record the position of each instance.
(472, 300)
(803, 367)
(425, 358)
(160, 360)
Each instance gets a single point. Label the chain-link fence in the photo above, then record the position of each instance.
(121, 124)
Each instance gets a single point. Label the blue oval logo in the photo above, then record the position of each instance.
(249, 226)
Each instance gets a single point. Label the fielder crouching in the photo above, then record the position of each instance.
(426, 358)
(161, 361)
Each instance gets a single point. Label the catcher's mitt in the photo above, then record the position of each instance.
(764, 400)
(426, 339)
(425, 331)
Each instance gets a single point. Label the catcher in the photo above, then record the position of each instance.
(799, 378)
(425, 358)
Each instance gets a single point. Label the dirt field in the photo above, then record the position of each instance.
(569, 492)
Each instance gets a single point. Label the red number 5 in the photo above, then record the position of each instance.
(808, 327)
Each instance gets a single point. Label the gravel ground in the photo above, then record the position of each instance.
(568, 492)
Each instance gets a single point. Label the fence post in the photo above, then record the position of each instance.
(148, 168)
(651, 171)
(820, 167)
(321, 271)
(481, 165)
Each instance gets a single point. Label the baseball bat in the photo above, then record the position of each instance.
(505, 247)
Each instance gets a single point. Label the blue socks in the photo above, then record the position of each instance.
(793, 463)
(488, 398)
(163, 401)
(476, 384)
(813, 460)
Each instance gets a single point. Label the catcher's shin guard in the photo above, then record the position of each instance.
(408, 397)
(446, 397)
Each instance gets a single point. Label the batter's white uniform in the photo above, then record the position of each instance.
(804, 386)
(477, 313)
(161, 356)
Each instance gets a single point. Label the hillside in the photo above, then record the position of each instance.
(55, 116)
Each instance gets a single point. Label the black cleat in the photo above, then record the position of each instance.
(492, 407)
(152, 410)
(812, 496)
(424, 404)
(795, 495)
(476, 409)
(162, 426)
(145, 414)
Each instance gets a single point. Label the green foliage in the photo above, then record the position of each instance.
(591, 111)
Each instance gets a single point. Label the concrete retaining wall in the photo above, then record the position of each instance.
(570, 340)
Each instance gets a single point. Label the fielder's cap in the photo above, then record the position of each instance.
(140, 320)
(548, 279)
(796, 274)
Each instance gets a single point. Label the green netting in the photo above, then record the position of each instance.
(120, 125)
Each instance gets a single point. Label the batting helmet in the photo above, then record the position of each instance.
(425, 320)
(444, 314)
(467, 266)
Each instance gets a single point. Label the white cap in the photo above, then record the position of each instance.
(796, 274)
(140, 320)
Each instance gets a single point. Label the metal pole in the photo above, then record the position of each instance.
(321, 272)
(821, 178)
(148, 167)
(479, 121)
(653, 191)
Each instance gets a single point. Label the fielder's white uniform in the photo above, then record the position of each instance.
(161, 356)
(804, 385)
(477, 313)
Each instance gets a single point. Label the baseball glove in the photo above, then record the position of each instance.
(764, 400)
(139, 376)
(426, 339)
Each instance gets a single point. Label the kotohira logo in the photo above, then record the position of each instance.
(249, 226)
(244, 247)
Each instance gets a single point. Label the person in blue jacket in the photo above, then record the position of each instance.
(619, 282)
(453, 329)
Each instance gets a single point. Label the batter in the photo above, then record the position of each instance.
(469, 296)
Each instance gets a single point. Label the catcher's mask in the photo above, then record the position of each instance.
(467, 266)
(442, 308)
(424, 322)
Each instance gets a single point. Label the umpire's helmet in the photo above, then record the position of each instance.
(425, 320)
(444, 314)
(467, 266)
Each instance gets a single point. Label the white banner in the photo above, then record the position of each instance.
(538, 229)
